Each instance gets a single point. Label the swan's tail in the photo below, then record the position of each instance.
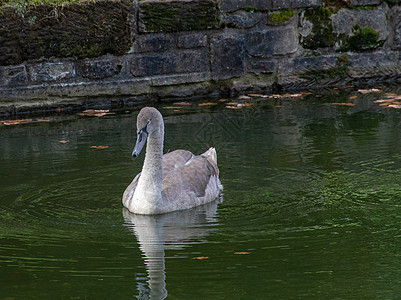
(211, 155)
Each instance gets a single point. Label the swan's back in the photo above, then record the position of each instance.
(192, 183)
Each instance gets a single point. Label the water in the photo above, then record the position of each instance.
(311, 205)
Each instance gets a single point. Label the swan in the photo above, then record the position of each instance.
(175, 181)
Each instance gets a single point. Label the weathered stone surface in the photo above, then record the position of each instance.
(282, 4)
(85, 29)
(364, 2)
(227, 56)
(169, 63)
(300, 65)
(11, 76)
(272, 41)
(153, 42)
(178, 79)
(345, 19)
(192, 40)
(379, 65)
(242, 19)
(233, 5)
(395, 21)
(175, 15)
(262, 66)
(52, 71)
(98, 69)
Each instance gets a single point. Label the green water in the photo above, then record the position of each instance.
(311, 205)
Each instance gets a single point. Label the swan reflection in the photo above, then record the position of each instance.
(172, 231)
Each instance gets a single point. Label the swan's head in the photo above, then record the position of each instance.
(149, 121)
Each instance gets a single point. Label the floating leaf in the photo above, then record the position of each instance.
(233, 107)
(171, 107)
(244, 97)
(223, 100)
(343, 104)
(15, 122)
(242, 253)
(95, 113)
(201, 257)
(181, 103)
(64, 141)
(352, 97)
(368, 91)
(256, 95)
(207, 104)
(99, 147)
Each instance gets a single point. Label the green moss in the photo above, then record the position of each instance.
(30, 3)
(280, 17)
(322, 35)
(339, 71)
(249, 8)
(362, 39)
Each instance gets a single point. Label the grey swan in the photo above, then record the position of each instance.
(174, 181)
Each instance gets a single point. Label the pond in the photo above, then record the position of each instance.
(311, 205)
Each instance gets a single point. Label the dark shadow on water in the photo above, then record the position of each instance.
(171, 231)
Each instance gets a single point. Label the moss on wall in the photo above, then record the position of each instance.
(339, 71)
(278, 18)
(362, 39)
(322, 35)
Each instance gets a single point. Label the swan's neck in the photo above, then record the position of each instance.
(148, 191)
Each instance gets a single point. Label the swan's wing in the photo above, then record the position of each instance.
(129, 191)
(175, 159)
(193, 177)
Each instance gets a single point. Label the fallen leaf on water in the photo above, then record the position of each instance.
(95, 113)
(352, 97)
(181, 103)
(233, 107)
(256, 95)
(171, 107)
(383, 101)
(343, 104)
(278, 106)
(242, 253)
(394, 106)
(207, 103)
(201, 257)
(391, 94)
(223, 100)
(232, 103)
(244, 97)
(99, 147)
(15, 122)
(367, 91)
(64, 141)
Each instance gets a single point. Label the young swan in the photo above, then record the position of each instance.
(174, 181)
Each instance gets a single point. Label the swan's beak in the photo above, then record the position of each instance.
(140, 142)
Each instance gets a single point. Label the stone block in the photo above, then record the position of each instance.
(233, 5)
(15, 75)
(153, 42)
(273, 41)
(178, 79)
(242, 19)
(98, 69)
(395, 21)
(285, 4)
(262, 66)
(176, 15)
(380, 65)
(306, 64)
(227, 56)
(344, 21)
(153, 64)
(364, 2)
(52, 71)
(191, 40)
(84, 29)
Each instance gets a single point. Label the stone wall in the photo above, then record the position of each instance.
(122, 52)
